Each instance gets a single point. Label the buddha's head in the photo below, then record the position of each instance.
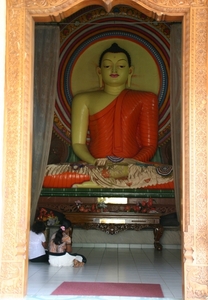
(115, 67)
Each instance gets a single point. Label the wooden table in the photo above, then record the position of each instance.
(113, 223)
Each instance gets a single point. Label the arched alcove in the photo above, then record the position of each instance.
(21, 16)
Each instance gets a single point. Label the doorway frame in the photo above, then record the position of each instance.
(21, 16)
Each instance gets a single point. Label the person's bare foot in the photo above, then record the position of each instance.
(77, 263)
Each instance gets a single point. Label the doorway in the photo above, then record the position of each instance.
(18, 140)
(72, 35)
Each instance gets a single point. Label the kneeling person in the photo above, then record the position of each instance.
(60, 248)
(37, 244)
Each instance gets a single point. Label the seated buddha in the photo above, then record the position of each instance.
(123, 128)
(123, 123)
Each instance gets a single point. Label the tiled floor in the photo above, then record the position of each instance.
(111, 265)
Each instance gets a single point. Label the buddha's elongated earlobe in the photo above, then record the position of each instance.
(129, 81)
(100, 81)
(129, 77)
(100, 77)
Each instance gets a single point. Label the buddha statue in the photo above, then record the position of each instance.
(123, 123)
(123, 128)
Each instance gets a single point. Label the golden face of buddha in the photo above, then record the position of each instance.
(114, 69)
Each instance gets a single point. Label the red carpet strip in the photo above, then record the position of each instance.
(109, 289)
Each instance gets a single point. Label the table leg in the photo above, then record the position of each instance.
(158, 232)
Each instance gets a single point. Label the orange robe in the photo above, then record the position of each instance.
(127, 127)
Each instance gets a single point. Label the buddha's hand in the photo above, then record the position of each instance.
(129, 161)
(101, 162)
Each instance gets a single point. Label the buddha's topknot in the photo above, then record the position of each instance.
(114, 48)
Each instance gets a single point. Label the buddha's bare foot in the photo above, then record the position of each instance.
(86, 184)
(77, 263)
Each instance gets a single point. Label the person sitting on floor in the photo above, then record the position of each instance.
(60, 248)
(37, 244)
